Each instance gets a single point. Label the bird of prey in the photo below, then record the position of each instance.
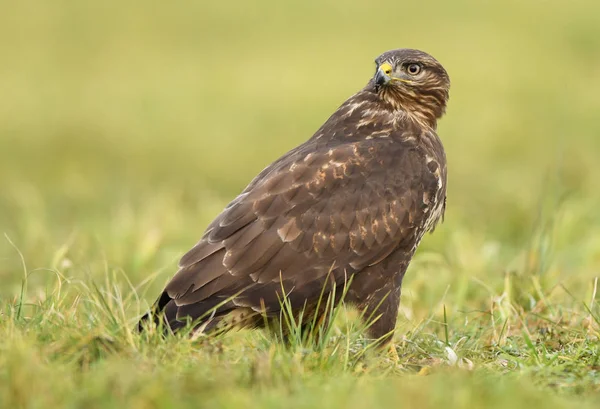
(354, 200)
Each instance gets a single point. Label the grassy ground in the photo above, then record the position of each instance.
(126, 127)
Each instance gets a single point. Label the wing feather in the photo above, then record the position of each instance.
(318, 212)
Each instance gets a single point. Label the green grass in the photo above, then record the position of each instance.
(126, 127)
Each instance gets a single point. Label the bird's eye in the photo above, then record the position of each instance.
(413, 69)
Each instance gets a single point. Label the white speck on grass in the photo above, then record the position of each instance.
(452, 357)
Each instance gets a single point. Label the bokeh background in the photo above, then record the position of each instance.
(125, 127)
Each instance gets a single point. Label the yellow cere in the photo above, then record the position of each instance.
(386, 68)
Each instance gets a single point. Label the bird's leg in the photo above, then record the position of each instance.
(379, 307)
(379, 312)
(382, 319)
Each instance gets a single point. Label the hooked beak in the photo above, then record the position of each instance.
(383, 74)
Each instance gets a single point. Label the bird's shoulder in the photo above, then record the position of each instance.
(317, 185)
(347, 203)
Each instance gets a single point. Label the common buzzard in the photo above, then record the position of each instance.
(352, 201)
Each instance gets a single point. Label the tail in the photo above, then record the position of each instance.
(164, 311)
(164, 314)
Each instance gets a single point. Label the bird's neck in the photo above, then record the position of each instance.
(424, 109)
(367, 113)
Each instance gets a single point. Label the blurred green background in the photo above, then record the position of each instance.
(125, 127)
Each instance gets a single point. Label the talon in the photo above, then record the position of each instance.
(394, 353)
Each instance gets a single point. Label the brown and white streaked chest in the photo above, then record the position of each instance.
(434, 200)
(434, 204)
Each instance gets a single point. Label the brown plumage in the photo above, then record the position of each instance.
(354, 200)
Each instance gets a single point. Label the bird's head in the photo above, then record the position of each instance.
(414, 82)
